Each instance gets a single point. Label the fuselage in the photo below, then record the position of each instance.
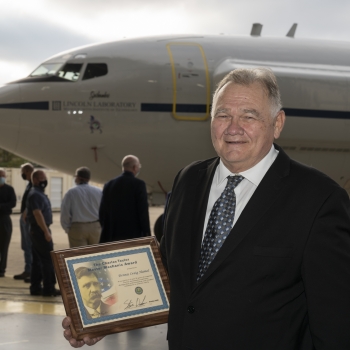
(151, 97)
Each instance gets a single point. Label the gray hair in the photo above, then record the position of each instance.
(129, 162)
(249, 76)
(27, 166)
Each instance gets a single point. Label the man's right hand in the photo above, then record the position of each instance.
(48, 236)
(73, 342)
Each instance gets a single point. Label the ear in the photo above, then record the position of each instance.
(278, 124)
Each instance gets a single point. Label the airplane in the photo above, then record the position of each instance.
(151, 97)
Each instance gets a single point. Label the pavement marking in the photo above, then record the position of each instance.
(26, 307)
(14, 342)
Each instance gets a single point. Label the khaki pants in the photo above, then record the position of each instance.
(84, 233)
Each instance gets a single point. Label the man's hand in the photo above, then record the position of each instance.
(39, 218)
(48, 236)
(73, 342)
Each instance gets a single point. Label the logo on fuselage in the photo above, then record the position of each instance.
(98, 94)
(56, 105)
(96, 105)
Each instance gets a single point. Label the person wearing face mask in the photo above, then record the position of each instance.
(124, 205)
(39, 216)
(79, 211)
(26, 244)
(7, 202)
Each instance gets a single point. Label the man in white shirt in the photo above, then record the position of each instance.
(79, 211)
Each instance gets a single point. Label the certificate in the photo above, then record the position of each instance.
(113, 287)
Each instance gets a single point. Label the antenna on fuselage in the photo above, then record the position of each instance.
(256, 29)
(292, 30)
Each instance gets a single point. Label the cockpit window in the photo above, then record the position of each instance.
(70, 71)
(46, 69)
(94, 70)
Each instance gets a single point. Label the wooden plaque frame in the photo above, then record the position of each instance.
(61, 260)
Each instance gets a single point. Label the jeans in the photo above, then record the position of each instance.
(26, 244)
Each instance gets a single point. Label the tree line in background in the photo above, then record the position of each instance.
(10, 160)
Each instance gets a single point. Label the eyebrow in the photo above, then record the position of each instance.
(227, 110)
(252, 111)
(221, 110)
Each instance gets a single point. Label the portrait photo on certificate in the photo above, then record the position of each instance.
(113, 283)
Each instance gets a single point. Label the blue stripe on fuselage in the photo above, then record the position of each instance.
(189, 108)
(42, 105)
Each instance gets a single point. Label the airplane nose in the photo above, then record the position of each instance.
(9, 116)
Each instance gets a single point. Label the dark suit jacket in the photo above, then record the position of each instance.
(124, 209)
(281, 281)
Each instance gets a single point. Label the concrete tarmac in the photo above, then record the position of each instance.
(34, 322)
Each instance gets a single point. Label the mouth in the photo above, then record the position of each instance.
(235, 142)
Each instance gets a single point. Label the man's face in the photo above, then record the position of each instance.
(137, 168)
(90, 290)
(2, 175)
(39, 178)
(242, 129)
(27, 174)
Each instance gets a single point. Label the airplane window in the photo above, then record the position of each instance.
(70, 71)
(46, 69)
(94, 70)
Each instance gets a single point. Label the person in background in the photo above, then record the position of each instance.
(124, 205)
(79, 211)
(26, 244)
(39, 216)
(7, 202)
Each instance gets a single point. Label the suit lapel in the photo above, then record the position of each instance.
(262, 199)
(204, 180)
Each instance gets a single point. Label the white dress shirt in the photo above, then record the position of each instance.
(94, 313)
(244, 190)
(80, 204)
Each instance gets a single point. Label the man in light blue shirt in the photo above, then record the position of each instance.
(79, 211)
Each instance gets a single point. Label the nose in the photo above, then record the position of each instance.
(234, 127)
(9, 116)
(94, 288)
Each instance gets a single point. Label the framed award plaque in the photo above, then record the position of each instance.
(113, 287)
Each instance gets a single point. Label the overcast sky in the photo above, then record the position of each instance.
(33, 30)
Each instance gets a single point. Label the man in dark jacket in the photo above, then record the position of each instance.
(26, 244)
(7, 202)
(124, 206)
(39, 216)
(257, 246)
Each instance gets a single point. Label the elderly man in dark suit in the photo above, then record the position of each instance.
(124, 205)
(257, 246)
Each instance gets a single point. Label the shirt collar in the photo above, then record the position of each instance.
(92, 311)
(254, 174)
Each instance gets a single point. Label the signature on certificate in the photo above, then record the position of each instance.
(137, 303)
